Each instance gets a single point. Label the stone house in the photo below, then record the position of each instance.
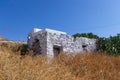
(52, 42)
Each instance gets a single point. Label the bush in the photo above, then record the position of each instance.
(110, 45)
(88, 35)
(23, 49)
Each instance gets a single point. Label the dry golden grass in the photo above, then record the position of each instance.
(2, 39)
(88, 66)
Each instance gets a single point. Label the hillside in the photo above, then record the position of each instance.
(88, 66)
(2, 39)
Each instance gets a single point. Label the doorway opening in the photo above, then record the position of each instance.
(57, 50)
(36, 47)
(84, 46)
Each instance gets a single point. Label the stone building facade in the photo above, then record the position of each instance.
(51, 42)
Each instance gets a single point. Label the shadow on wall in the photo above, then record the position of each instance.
(36, 47)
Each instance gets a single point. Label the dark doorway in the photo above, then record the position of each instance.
(36, 47)
(57, 50)
(84, 46)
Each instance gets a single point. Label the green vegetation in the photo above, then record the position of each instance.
(88, 35)
(110, 45)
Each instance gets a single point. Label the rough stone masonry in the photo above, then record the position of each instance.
(52, 42)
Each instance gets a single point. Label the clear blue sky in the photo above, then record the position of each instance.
(18, 17)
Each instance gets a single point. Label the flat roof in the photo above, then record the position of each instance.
(54, 31)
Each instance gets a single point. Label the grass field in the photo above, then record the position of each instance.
(88, 66)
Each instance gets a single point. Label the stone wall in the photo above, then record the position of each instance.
(49, 38)
(69, 44)
(41, 36)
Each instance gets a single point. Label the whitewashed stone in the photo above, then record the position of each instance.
(49, 38)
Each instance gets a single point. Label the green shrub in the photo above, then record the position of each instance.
(110, 45)
(88, 35)
(23, 49)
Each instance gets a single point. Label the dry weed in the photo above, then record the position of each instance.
(87, 66)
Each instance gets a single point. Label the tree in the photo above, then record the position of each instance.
(88, 35)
